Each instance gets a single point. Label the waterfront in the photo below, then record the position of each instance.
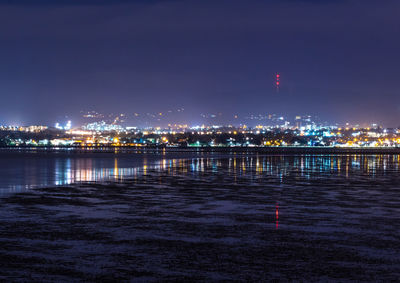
(201, 217)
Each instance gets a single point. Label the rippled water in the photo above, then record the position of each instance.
(21, 170)
(236, 217)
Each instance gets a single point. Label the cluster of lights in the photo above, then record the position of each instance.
(67, 126)
(30, 129)
(103, 134)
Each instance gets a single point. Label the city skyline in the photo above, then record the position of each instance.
(165, 119)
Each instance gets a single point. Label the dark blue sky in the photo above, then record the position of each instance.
(338, 59)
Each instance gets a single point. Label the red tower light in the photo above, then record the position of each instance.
(277, 82)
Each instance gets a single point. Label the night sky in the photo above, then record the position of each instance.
(337, 59)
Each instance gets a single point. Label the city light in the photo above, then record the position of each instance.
(302, 132)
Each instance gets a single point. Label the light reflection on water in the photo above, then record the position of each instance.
(17, 176)
(283, 166)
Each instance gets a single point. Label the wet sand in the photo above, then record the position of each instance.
(209, 220)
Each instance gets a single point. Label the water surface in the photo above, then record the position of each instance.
(21, 170)
(238, 217)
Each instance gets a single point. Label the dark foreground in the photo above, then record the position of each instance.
(247, 219)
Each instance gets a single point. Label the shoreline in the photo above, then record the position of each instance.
(230, 150)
